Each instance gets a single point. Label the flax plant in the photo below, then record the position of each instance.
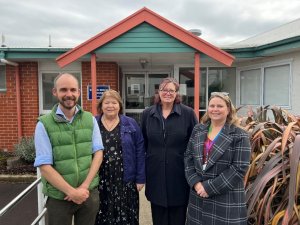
(273, 179)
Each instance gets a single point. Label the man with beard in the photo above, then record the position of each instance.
(69, 153)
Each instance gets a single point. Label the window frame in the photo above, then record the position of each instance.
(262, 68)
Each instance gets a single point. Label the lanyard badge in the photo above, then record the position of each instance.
(208, 144)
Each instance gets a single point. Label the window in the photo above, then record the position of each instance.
(250, 87)
(212, 79)
(48, 100)
(2, 78)
(267, 85)
(276, 78)
(186, 90)
(222, 80)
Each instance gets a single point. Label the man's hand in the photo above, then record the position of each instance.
(78, 195)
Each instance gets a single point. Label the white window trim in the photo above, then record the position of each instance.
(262, 66)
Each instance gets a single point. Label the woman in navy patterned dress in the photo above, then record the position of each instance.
(122, 173)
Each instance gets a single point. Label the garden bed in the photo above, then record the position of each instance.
(19, 168)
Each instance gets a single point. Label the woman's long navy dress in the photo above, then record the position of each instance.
(119, 201)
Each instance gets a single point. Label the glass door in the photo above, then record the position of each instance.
(134, 91)
(140, 89)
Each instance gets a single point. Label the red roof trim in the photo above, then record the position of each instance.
(145, 15)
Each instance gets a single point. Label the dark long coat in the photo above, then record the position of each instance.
(222, 178)
(165, 143)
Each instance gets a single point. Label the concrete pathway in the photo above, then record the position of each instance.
(145, 210)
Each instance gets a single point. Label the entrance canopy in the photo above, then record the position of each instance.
(180, 42)
(145, 16)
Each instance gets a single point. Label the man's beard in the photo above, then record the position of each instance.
(68, 106)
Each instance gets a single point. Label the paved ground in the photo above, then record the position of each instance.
(26, 211)
(145, 211)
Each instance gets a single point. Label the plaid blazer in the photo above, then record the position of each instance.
(222, 178)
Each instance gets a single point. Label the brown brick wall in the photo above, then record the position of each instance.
(29, 97)
(107, 74)
(8, 109)
(8, 105)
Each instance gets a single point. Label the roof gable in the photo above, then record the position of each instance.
(141, 16)
(144, 38)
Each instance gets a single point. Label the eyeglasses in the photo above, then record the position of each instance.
(219, 94)
(165, 91)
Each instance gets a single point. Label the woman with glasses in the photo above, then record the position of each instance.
(216, 161)
(167, 126)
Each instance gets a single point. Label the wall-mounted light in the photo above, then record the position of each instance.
(144, 63)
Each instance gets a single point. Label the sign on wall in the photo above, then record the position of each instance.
(100, 89)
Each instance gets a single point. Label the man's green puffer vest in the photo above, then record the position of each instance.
(71, 148)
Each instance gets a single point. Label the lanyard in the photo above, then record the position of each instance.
(208, 146)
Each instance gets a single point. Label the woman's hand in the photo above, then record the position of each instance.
(139, 187)
(200, 190)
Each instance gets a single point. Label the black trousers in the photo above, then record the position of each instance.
(174, 215)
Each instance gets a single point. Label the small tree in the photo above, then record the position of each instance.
(25, 149)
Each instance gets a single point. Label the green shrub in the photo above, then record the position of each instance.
(25, 149)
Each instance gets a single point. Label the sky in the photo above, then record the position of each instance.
(29, 23)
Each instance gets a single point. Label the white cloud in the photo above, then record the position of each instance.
(29, 23)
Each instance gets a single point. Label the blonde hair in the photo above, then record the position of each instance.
(232, 117)
(110, 93)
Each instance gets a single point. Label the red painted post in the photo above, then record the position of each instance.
(197, 84)
(94, 84)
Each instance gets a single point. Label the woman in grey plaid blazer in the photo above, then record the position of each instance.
(216, 160)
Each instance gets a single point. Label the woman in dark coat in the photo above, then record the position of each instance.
(166, 127)
(216, 161)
